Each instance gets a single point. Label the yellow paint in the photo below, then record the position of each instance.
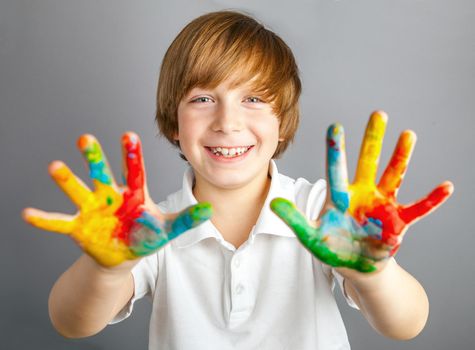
(94, 226)
(371, 149)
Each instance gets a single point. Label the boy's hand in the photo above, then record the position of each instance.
(114, 223)
(362, 223)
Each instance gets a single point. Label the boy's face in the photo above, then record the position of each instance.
(227, 135)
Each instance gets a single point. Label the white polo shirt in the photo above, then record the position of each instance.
(270, 293)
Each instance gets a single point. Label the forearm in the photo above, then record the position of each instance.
(392, 301)
(86, 297)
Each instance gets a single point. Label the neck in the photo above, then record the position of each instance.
(242, 202)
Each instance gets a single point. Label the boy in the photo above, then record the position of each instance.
(228, 98)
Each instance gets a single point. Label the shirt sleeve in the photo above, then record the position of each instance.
(145, 275)
(339, 280)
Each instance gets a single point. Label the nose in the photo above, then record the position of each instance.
(228, 119)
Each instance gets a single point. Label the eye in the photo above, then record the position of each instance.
(254, 99)
(201, 99)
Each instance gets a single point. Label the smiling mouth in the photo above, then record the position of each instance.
(229, 152)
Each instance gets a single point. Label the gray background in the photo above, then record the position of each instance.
(69, 67)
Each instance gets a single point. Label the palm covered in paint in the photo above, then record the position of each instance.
(114, 223)
(362, 222)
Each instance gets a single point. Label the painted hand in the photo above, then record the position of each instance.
(114, 223)
(362, 222)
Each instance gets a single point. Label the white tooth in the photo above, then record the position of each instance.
(232, 151)
(224, 151)
(218, 149)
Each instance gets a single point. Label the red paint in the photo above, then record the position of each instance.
(134, 196)
(396, 218)
(422, 207)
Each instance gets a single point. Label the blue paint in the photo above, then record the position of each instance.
(189, 218)
(149, 221)
(150, 237)
(333, 222)
(338, 182)
(374, 228)
(99, 172)
(340, 199)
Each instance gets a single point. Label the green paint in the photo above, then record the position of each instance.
(189, 218)
(313, 238)
(156, 233)
(109, 200)
(98, 169)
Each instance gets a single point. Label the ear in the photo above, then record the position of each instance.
(281, 139)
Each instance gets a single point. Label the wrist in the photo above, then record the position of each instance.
(119, 271)
(367, 282)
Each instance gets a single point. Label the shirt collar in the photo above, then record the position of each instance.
(267, 222)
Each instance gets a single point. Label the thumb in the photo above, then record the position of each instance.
(189, 218)
(294, 218)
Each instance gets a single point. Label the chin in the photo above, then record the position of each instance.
(229, 182)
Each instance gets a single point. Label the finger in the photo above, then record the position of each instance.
(371, 148)
(134, 170)
(424, 206)
(288, 212)
(74, 188)
(190, 218)
(336, 167)
(56, 222)
(156, 234)
(309, 237)
(394, 173)
(99, 169)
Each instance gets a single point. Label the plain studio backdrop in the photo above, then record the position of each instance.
(70, 67)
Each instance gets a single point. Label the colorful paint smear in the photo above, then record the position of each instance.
(113, 223)
(363, 223)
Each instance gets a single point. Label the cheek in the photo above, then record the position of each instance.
(185, 126)
(268, 130)
(189, 131)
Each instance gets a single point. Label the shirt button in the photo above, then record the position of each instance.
(237, 262)
(239, 289)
